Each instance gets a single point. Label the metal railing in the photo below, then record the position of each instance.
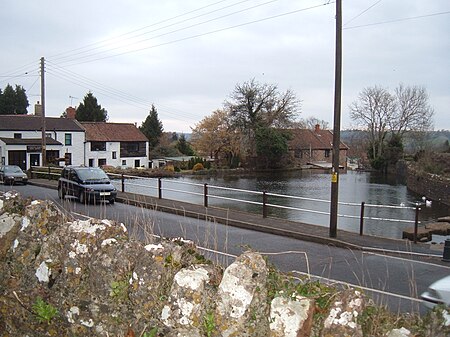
(265, 200)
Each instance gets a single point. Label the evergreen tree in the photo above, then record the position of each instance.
(90, 110)
(21, 101)
(13, 102)
(271, 146)
(152, 128)
(184, 147)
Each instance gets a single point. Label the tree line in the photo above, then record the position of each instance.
(252, 126)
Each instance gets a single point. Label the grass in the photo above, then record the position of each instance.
(44, 311)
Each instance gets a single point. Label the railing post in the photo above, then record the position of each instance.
(159, 189)
(123, 182)
(264, 204)
(205, 195)
(416, 223)
(361, 219)
(49, 173)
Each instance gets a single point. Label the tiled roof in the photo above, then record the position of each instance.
(112, 132)
(313, 139)
(33, 123)
(29, 141)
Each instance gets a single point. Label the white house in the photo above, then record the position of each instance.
(21, 140)
(115, 144)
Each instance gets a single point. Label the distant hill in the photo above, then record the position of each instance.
(434, 140)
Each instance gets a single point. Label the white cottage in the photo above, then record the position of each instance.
(21, 140)
(115, 144)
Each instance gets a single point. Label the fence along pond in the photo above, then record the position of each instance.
(363, 217)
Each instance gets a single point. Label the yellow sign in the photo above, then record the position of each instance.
(334, 177)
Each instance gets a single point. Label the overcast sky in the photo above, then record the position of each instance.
(186, 56)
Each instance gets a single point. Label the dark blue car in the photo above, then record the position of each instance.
(88, 184)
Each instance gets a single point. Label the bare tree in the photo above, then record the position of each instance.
(413, 112)
(311, 123)
(373, 111)
(384, 114)
(254, 105)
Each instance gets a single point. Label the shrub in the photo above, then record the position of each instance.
(198, 167)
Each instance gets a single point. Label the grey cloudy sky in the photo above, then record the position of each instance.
(186, 56)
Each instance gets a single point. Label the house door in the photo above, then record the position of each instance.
(35, 159)
(18, 158)
(137, 163)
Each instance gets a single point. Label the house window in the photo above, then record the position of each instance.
(137, 163)
(17, 136)
(327, 153)
(114, 155)
(133, 147)
(124, 162)
(48, 135)
(102, 162)
(98, 146)
(68, 139)
(91, 162)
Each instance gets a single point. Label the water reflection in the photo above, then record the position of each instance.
(354, 187)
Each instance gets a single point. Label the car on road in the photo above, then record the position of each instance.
(12, 174)
(88, 184)
(437, 293)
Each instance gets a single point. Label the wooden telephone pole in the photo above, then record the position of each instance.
(43, 126)
(337, 122)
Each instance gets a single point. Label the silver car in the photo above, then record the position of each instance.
(437, 293)
(12, 174)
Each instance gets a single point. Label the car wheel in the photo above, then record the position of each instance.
(112, 201)
(82, 197)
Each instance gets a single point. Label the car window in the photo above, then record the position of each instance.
(13, 169)
(72, 175)
(92, 174)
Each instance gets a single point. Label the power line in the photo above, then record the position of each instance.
(89, 84)
(116, 39)
(364, 11)
(206, 33)
(398, 20)
(20, 69)
(166, 33)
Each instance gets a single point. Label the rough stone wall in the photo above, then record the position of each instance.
(433, 186)
(65, 277)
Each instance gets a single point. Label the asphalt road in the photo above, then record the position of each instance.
(396, 282)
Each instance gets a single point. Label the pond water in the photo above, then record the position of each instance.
(354, 188)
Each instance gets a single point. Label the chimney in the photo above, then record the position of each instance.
(317, 127)
(70, 112)
(38, 109)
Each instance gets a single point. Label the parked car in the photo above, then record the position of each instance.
(12, 174)
(437, 293)
(88, 184)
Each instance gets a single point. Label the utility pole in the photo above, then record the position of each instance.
(44, 145)
(337, 122)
